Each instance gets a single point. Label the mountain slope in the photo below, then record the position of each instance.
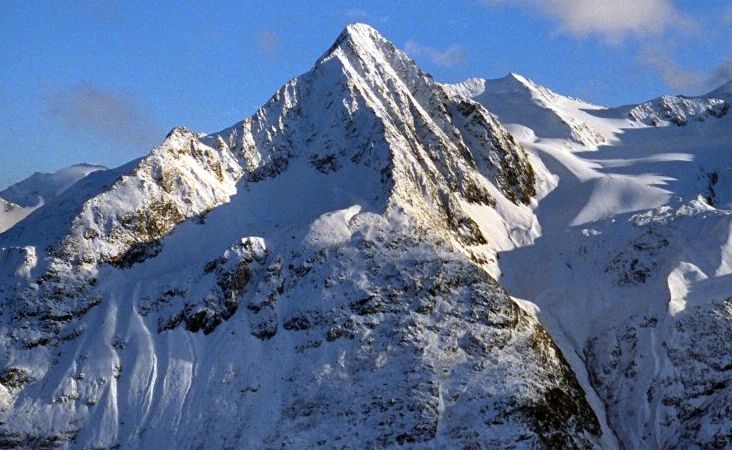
(41, 188)
(24, 197)
(631, 270)
(10, 214)
(317, 274)
(723, 92)
(518, 100)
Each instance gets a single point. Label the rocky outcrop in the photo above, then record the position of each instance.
(678, 110)
(181, 179)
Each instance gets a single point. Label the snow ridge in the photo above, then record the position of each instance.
(41, 188)
(516, 99)
(21, 199)
(677, 110)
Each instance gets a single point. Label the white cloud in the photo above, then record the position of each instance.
(684, 80)
(449, 57)
(613, 20)
(656, 26)
(269, 41)
(673, 74)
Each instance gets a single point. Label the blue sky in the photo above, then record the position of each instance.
(103, 82)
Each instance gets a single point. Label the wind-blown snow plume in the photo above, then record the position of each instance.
(105, 114)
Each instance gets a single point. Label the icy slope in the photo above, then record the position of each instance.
(631, 272)
(314, 275)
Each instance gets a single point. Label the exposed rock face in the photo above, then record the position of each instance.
(670, 358)
(690, 398)
(357, 314)
(421, 333)
(678, 110)
(180, 179)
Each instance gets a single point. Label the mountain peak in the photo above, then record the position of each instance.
(517, 77)
(360, 33)
(359, 39)
(514, 82)
(511, 83)
(359, 28)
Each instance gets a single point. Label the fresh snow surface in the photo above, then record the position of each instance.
(633, 263)
(10, 214)
(376, 260)
(518, 100)
(24, 197)
(41, 188)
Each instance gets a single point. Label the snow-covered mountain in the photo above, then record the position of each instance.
(631, 270)
(24, 197)
(41, 188)
(723, 92)
(516, 99)
(377, 260)
(313, 275)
